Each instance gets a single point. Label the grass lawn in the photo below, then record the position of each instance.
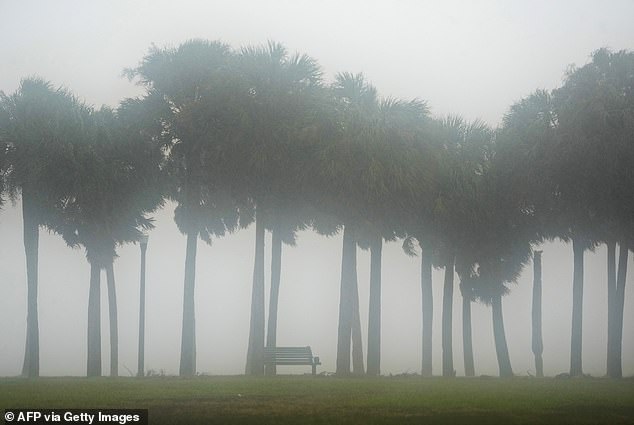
(330, 400)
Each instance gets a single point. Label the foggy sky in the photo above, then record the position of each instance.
(469, 58)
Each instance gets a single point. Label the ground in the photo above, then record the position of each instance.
(331, 400)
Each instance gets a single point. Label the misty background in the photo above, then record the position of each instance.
(470, 58)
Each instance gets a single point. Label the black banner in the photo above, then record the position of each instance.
(77, 416)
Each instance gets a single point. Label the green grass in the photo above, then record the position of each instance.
(330, 400)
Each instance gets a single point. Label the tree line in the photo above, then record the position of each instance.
(256, 135)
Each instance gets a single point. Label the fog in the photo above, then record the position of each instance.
(468, 58)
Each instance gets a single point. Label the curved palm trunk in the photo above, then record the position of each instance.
(374, 317)
(141, 351)
(577, 310)
(537, 344)
(427, 307)
(447, 314)
(619, 307)
(31, 365)
(501, 348)
(357, 341)
(188, 335)
(255, 353)
(93, 367)
(276, 266)
(344, 331)
(114, 327)
(467, 341)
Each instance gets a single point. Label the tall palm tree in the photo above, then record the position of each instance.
(109, 191)
(578, 170)
(600, 97)
(199, 93)
(496, 247)
(396, 132)
(139, 119)
(466, 148)
(421, 223)
(342, 177)
(283, 90)
(38, 121)
(361, 178)
(566, 145)
(528, 133)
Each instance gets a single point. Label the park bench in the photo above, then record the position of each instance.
(291, 356)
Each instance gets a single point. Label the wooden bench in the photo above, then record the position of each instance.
(291, 356)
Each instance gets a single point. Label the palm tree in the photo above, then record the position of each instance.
(361, 178)
(603, 93)
(529, 131)
(566, 145)
(602, 99)
(136, 125)
(38, 121)
(466, 147)
(344, 157)
(198, 93)
(577, 153)
(396, 132)
(502, 234)
(283, 88)
(109, 190)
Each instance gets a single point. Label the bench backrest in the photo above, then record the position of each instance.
(288, 355)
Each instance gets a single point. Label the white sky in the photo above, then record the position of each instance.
(472, 58)
(468, 57)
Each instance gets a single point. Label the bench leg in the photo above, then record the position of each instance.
(314, 369)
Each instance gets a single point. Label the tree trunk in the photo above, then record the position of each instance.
(31, 365)
(374, 316)
(93, 367)
(619, 304)
(255, 353)
(357, 341)
(276, 266)
(344, 332)
(611, 248)
(141, 351)
(537, 344)
(447, 314)
(576, 368)
(427, 307)
(114, 327)
(188, 335)
(501, 349)
(469, 368)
